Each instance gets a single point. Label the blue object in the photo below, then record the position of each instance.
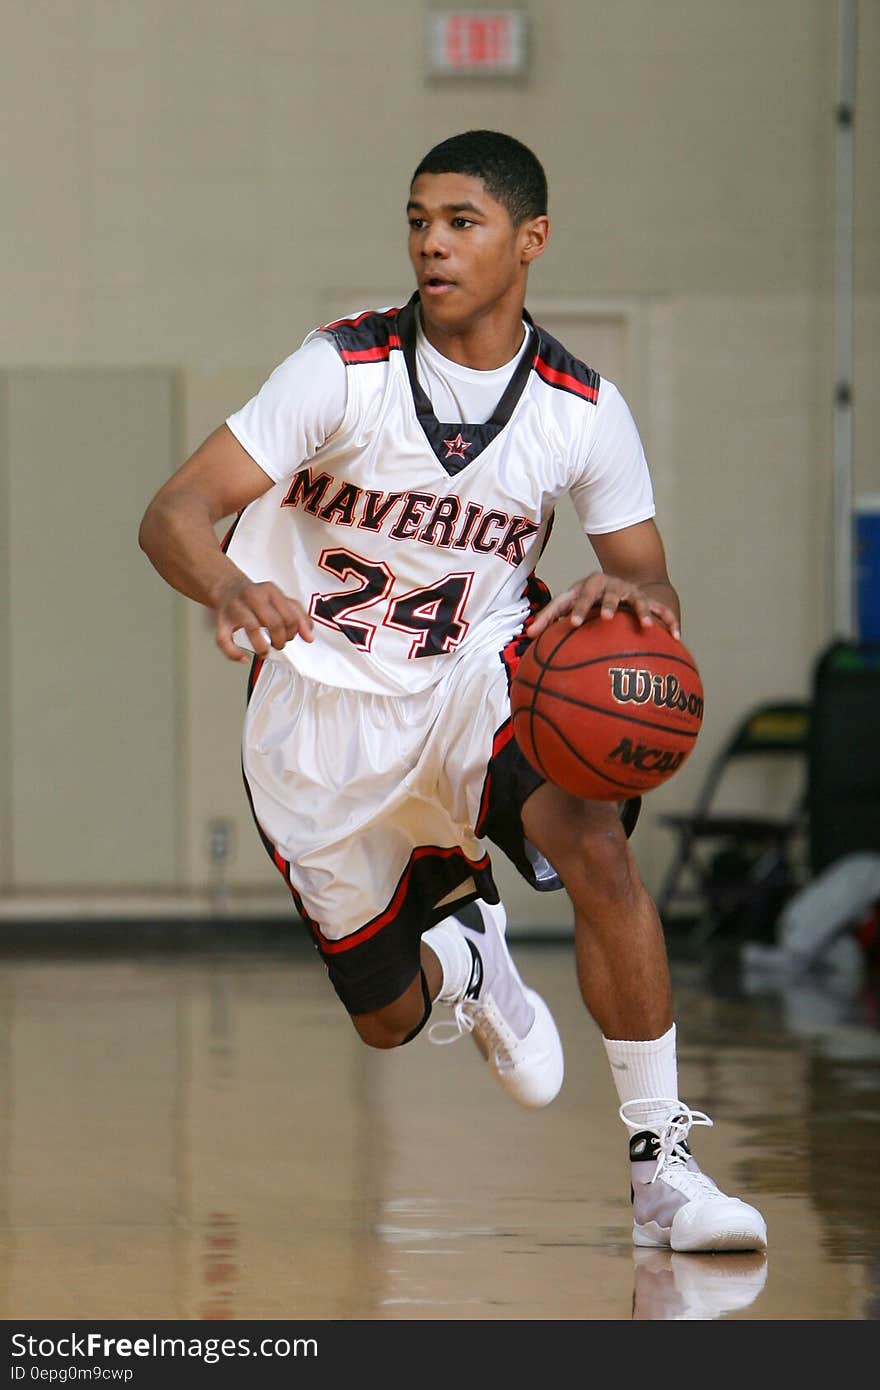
(867, 569)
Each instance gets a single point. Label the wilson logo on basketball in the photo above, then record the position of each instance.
(631, 685)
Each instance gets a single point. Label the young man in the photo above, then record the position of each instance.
(394, 483)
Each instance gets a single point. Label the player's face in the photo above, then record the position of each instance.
(467, 255)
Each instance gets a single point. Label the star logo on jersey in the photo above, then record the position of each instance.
(457, 447)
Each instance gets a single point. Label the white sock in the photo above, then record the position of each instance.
(645, 1071)
(456, 961)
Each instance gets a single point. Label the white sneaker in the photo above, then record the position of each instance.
(675, 1205)
(510, 1024)
(672, 1287)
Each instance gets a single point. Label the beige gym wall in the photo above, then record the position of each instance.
(189, 186)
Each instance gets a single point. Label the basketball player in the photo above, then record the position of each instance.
(394, 483)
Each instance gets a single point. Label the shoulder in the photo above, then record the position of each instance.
(370, 336)
(562, 371)
(312, 367)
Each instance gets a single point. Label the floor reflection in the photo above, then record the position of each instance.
(198, 1134)
(671, 1287)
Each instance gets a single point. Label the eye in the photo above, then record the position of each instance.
(416, 224)
(462, 222)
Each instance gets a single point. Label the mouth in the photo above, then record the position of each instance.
(436, 285)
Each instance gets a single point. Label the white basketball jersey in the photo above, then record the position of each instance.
(410, 539)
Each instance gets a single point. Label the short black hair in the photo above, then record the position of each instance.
(511, 173)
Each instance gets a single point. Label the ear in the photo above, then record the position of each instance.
(534, 234)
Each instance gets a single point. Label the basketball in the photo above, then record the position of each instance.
(609, 709)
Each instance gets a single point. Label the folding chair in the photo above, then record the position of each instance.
(739, 867)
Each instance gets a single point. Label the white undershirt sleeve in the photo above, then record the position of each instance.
(613, 488)
(295, 411)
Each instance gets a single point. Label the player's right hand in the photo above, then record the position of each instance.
(269, 617)
(607, 593)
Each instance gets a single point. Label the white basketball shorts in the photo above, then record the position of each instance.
(375, 807)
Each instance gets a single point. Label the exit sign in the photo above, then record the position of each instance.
(477, 43)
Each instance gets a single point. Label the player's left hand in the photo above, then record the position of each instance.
(609, 593)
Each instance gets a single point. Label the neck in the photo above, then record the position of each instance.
(485, 344)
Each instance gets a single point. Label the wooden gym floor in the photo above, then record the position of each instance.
(194, 1132)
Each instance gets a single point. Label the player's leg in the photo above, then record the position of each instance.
(364, 804)
(467, 956)
(464, 963)
(620, 950)
(481, 780)
(398, 1022)
(623, 975)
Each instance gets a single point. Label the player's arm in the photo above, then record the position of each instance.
(177, 533)
(633, 574)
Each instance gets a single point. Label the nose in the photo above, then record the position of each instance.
(433, 241)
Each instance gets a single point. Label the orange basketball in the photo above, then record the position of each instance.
(609, 709)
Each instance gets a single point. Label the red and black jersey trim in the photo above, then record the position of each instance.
(457, 443)
(371, 337)
(557, 367)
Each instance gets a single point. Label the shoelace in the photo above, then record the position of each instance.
(449, 1030)
(462, 1021)
(671, 1138)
